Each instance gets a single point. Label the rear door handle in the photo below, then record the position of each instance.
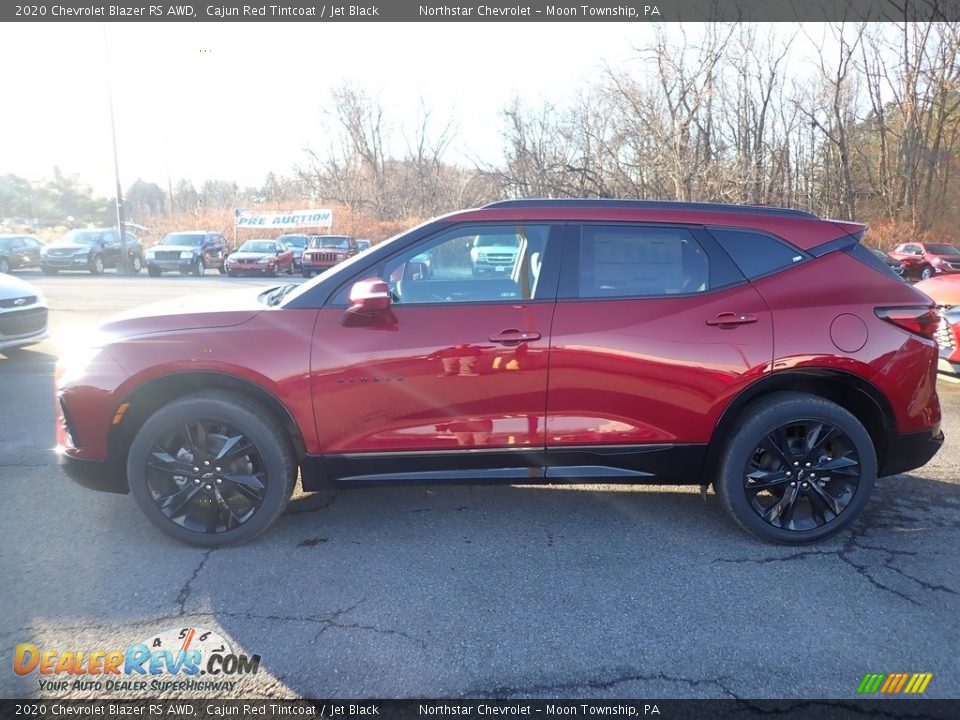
(730, 319)
(515, 337)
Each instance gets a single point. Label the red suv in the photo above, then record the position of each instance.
(924, 260)
(761, 350)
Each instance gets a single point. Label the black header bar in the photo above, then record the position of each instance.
(478, 709)
(490, 11)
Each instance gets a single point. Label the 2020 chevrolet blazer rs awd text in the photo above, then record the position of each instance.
(761, 350)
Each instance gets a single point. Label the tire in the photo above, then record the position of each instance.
(270, 273)
(926, 273)
(96, 265)
(290, 269)
(154, 272)
(792, 418)
(136, 265)
(4, 266)
(48, 270)
(231, 274)
(193, 499)
(306, 273)
(199, 267)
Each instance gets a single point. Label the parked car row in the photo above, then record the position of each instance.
(922, 261)
(190, 252)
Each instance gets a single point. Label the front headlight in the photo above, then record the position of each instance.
(185, 254)
(78, 350)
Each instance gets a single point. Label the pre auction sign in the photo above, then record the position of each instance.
(283, 218)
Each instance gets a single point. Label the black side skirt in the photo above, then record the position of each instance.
(649, 464)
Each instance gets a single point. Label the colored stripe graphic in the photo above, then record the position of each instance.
(894, 683)
(870, 683)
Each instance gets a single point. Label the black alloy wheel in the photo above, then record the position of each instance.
(797, 469)
(802, 475)
(211, 469)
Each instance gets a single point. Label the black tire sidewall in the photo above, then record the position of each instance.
(4, 265)
(268, 439)
(764, 419)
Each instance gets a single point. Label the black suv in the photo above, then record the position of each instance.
(189, 252)
(91, 251)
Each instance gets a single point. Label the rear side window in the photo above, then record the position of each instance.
(757, 254)
(633, 261)
(867, 257)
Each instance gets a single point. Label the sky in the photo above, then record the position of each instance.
(235, 101)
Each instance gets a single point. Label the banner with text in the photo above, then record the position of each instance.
(283, 218)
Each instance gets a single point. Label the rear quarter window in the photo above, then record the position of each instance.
(757, 254)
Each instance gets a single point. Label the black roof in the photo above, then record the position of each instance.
(653, 205)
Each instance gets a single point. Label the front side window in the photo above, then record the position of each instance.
(635, 261)
(471, 264)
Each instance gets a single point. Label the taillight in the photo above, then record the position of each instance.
(921, 321)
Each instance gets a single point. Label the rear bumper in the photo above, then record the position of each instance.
(908, 451)
(101, 475)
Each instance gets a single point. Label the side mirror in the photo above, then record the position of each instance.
(369, 297)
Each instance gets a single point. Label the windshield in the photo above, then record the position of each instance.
(81, 237)
(942, 250)
(258, 246)
(340, 243)
(187, 239)
(297, 241)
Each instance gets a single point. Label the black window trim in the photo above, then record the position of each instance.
(549, 272)
(569, 290)
(807, 256)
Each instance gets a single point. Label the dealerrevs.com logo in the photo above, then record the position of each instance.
(184, 654)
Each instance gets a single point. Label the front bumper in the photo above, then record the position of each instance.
(170, 265)
(249, 268)
(22, 327)
(908, 451)
(70, 262)
(101, 475)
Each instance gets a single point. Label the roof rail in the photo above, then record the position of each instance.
(653, 205)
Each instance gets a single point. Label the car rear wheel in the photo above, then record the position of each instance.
(96, 266)
(799, 469)
(211, 469)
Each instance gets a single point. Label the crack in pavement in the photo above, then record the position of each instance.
(888, 517)
(184, 593)
(622, 676)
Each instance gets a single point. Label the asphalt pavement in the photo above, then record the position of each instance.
(573, 591)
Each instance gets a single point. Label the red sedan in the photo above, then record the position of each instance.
(264, 257)
(923, 261)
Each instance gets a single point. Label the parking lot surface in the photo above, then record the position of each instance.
(586, 591)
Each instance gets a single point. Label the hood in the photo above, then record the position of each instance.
(67, 246)
(214, 310)
(942, 290)
(247, 256)
(175, 248)
(14, 287)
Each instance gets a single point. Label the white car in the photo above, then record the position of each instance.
(23, 313)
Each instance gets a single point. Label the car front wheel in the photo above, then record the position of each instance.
(136, 265)
(199, 268)
(96, 266)
(799, 469)
(926, 273)
(211, 469)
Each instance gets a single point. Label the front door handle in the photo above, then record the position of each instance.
(731, 319)
(514, 337)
